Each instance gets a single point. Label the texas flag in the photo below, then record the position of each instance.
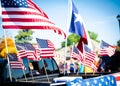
(77, 26)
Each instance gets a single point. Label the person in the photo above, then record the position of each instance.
(100, 64)
(76, 69)
(30, 66)
(71, 67)
(103, 67)
(108, 67)
(32, 70)
(61, 67)
(65, 68)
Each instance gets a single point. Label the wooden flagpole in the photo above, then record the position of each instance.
(22, 61)
(84, 57)
(30, 71)
(6, 47)
(7, 56)
(45, 70)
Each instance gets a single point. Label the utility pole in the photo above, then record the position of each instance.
(118, 18)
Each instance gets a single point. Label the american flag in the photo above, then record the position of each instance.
(21, 50)
(117, 76)
(46, 47)
(106, 80)
(76, 54)
(15, 62)
(31, 52)
(25, 14)
(106, 49)
(89, 56)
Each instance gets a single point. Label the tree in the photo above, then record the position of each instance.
(24, 36)
(93, 36)
(118, 43)
(73, 38)
(10, 47)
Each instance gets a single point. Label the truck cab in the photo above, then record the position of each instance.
(33, 72)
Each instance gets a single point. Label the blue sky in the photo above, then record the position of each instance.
(99, 16)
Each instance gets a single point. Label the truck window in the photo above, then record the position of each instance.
(49, 65)
(2, 69)
(55, 66)
(46, 65)
(19, 73)
(37, 68)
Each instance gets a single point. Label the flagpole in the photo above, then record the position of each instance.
(20, 58)
(45, 70)
(72, 49)
(30, 71)
(66, 40)
(99, 49)
(7, 56)
(6, 48)
(84, 57)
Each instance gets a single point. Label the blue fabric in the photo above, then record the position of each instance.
(65, 79)
(106, 80)
(75, 82)
(76, 25)
(71, 65)
(81, 70)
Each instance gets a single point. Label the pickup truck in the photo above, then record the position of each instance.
(29, 77)
(36, 77)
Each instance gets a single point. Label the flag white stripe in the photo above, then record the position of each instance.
(21, 9)
(46, 49)
(25, 17)
(47, 55)
(46, 52)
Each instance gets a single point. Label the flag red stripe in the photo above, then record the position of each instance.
(103, 52)
(88, 59)
(46, 53)
(34, 6)
(25, 20)
(17, 65)
(47, 56)
(28, 27)
(90, 55)
(22, 54)
(20, 13)
(116, 75)
(118, 78)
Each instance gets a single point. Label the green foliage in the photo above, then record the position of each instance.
(93, 36)
(63, 44)
(73, 38)
(118, 43)
(24, 36)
